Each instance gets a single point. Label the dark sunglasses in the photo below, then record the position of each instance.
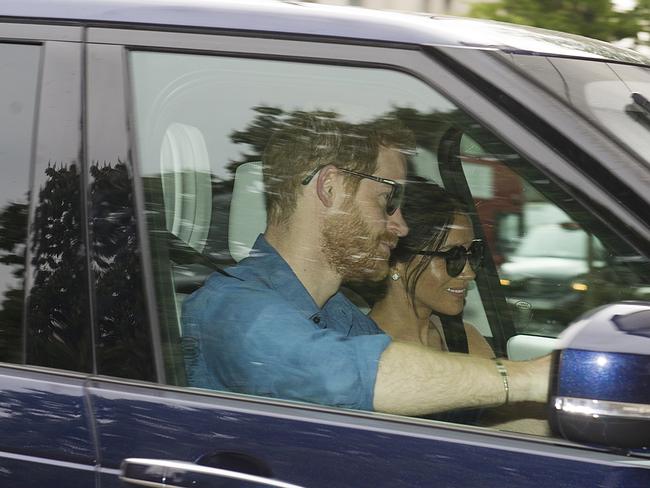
(456, 257)
(395, 197)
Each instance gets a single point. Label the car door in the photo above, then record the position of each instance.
(166, 108)
(45, 348)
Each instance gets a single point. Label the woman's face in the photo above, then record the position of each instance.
(436, 290)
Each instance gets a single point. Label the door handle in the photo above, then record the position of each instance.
(166, 473)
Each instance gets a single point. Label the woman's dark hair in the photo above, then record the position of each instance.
(429, 210)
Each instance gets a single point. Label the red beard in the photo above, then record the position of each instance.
(353, 250)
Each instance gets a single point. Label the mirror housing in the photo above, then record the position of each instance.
(600, 388)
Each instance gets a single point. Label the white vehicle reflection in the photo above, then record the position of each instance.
(552, 272)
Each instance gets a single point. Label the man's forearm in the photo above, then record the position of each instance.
(415, 380)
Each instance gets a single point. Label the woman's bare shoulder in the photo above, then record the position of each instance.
(476, 343)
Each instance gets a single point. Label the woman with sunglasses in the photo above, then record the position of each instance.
(431, 270)
(423, 297)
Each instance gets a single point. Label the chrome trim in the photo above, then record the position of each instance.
(50, 462)
(195, 468)
(604, 408)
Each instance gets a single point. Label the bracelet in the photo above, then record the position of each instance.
(501, 368)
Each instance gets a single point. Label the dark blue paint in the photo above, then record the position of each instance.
(45, 431)
(606, 354)
(23, 474)
(140, 422)
(604, 376)
(44, 417)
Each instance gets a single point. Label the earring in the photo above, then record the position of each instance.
(394, 276)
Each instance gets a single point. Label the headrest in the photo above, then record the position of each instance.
(186, 184)
(247, 210)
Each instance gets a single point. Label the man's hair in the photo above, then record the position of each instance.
(310, 140)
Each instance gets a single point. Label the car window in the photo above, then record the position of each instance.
(202, 126)
(18, 90)
(558, 261)
(195, 160)
(123, 345)
(563, 240)
(600, 91)
(58, 329)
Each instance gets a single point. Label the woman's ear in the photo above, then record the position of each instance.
(396, 272)
(327, 182)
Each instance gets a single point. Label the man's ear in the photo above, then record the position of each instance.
(327, 184)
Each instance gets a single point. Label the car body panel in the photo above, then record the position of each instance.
(599, 370)
(303, 446)
(80, 427)
(293, 18)
(47, 432)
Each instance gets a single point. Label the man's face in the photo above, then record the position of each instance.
(358, 240)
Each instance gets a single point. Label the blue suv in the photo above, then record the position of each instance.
(130, 151)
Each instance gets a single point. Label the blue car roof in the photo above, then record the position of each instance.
(284, 18)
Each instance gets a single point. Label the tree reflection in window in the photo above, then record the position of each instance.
(58, 329)
(58, 317)
(13, 235)
(454, 149)
(123, 345)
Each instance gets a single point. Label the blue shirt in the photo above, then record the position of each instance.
(255, 329)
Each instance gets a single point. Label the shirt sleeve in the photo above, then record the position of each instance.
(255, 342)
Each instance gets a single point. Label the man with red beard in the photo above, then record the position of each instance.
(277, 325)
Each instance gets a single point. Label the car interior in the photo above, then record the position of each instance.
(205, 211)
(181, 236)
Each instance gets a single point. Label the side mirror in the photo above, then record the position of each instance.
(600, 392)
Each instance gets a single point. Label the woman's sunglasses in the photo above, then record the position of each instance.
(394, 200)
(456, 257)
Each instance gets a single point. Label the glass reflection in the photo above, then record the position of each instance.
(58, 332)
(122, 342)
(18, 86)
(190, 152)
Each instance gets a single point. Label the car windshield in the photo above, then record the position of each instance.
(565, 240)
(612, 95)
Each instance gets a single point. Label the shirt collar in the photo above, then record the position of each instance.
(279, 275)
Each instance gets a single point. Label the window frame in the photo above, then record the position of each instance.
(58, 43)
(409, 59)
(107, 136)
(28, 188)
(53, 460)
(589, 152)
(61, 137)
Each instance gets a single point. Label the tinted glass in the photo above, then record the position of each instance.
(558, 261)
(208, 127)
(122, 340)
(562, 240)
(602, 92)
(18, 94)
(58, 320)
(189, 155)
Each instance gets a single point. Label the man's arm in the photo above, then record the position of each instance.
(415, 380)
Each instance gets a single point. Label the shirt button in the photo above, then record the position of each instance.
(316, 319)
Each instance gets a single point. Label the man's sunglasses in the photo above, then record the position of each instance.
(395, 197)
(456, 257)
